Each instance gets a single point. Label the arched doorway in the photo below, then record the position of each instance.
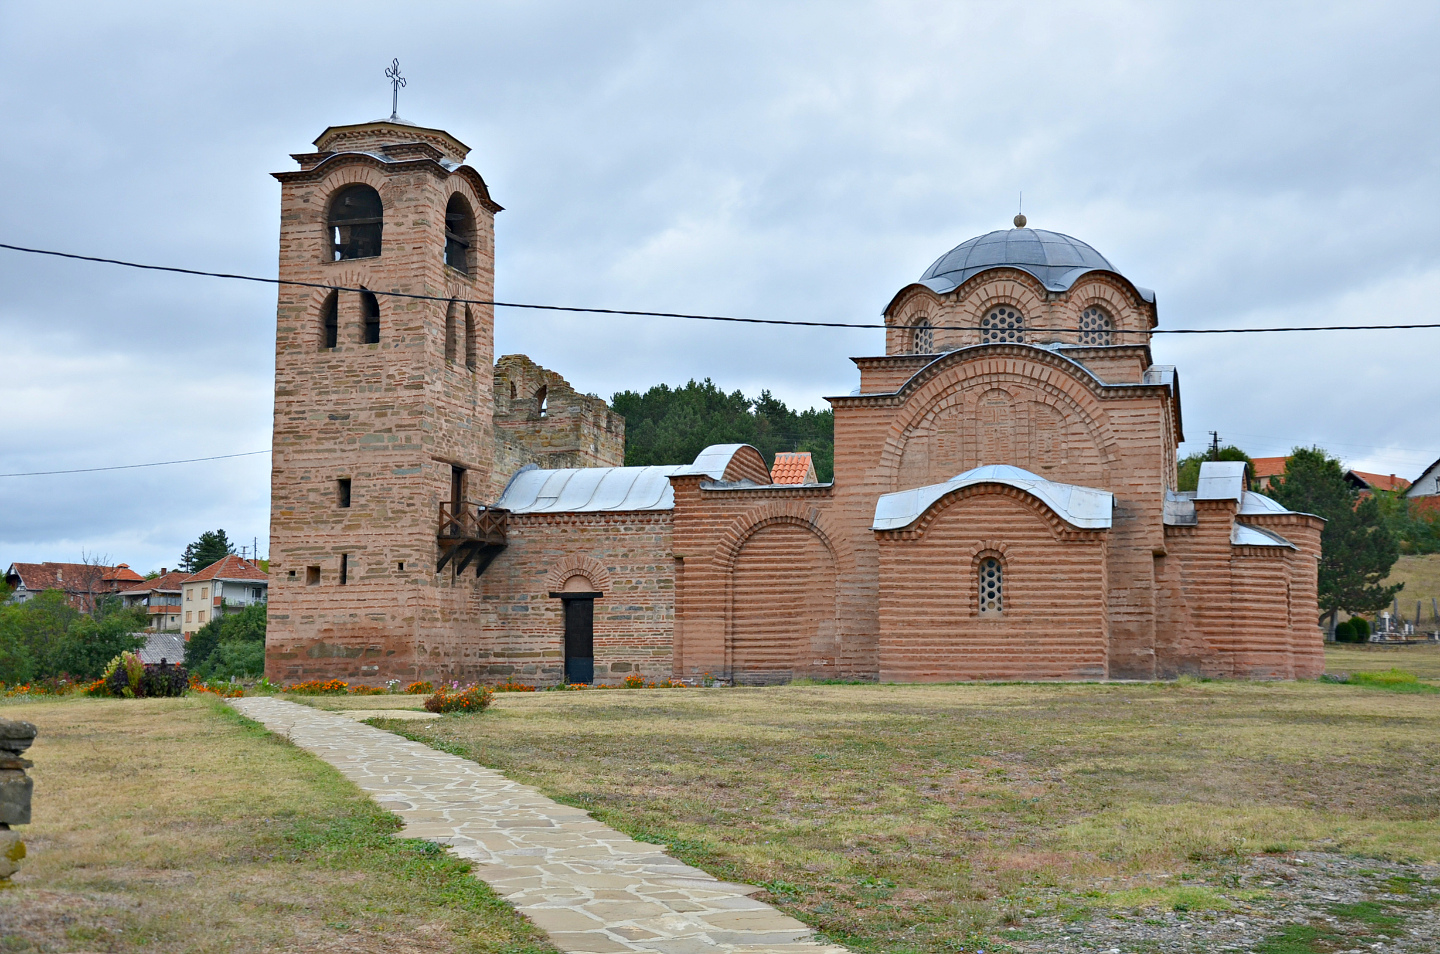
(578, 597)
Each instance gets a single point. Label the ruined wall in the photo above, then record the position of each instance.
(1054, 619)
(540, 419)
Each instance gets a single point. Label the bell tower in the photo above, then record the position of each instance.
(383, 403)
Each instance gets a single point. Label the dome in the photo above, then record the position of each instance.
(1056, 260)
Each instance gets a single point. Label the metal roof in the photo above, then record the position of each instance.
(1245, 535)
(1221, 480)
(1057, 260)
(598, 489)
(1082, 507)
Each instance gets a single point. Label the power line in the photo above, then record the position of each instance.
(645, 314)
(158, 463)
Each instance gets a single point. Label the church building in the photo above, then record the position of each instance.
(1004, 500)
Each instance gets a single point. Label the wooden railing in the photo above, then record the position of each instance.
(470, 533)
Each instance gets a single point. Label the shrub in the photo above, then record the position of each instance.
(126, 677)
(419, 689)
(1361, 625)
(471, 699)
(1344, 632)
(514, 687)
(318, 687)
(367, 691)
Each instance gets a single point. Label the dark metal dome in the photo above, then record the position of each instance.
(1056, 260)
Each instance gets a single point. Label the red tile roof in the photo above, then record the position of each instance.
(70, 577)
(231, 567)
(1262, 467)
(793, 468)
(1388, 482)
(168, 582)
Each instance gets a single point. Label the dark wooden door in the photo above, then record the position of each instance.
(580, 640)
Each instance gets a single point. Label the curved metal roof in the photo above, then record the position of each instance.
(1057, 260)
(1081, 507)
(597, 489)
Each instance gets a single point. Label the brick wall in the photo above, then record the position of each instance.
(1053, 623)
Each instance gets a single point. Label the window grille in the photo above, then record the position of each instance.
(922, 338)
(1002, 324)
(1096, 327)
(992, 586)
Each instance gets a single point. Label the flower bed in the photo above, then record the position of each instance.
(318, 687)
(469, 699)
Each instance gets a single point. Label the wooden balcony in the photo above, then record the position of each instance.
(471, 533)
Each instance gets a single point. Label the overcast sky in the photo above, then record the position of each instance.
(1255, 164)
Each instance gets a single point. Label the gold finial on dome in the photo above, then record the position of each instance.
(1020, 220)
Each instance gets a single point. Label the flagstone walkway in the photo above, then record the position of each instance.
(591, 888)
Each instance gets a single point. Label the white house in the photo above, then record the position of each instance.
(224, 586)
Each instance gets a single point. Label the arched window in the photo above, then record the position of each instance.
(1096, 327)
(459, 233)
(469, 339)
(356, 217)
(922, 337)
(1002, 323)
(992, 585)
(542, 401)
(330, 321)
(450, 332)
(370, 309)
(512, 390)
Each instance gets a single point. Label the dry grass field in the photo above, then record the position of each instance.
(936, 818)
(175, 825)
(1421, 576)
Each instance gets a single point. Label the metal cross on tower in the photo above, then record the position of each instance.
(392, 73)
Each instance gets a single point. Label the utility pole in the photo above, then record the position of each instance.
(1214, 445)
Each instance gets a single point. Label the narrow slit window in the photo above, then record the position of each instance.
(469, 338)
(992, 585)
(342, 492)
(356, 222)
(370, 310)
(344, 568)
(450, 332)
(330, 321)
(542, 400)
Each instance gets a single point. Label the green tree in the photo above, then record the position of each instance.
(1188, 470)
(229, 645)
(213, 545)
(46, 636)
(1357, 550)
(1415, 528)
(672, 425)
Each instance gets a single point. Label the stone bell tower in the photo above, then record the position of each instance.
(383, 404)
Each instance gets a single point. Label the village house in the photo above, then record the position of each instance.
(82, 583)
(160, 596)
(225, 586)
(1004, 500)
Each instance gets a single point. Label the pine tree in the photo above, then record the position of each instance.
(213, 545)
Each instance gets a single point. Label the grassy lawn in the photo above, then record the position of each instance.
(923, 818)
(1421, 659)
(175, 825)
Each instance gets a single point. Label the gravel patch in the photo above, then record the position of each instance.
(1315, 901)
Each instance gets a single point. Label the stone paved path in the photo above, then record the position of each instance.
(593, 889)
